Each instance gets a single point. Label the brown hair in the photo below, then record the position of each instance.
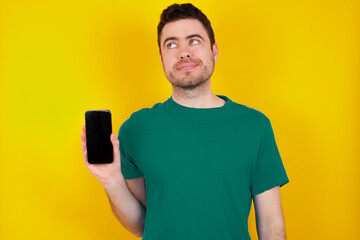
(184, 11)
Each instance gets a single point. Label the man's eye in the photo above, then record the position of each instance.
(194, 41)
(171, 45)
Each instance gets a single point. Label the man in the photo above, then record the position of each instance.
(190, 166)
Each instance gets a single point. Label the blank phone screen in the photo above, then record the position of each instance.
(98, 130)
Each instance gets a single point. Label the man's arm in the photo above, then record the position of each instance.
(127, 197)
(127, 209)
(269, 216)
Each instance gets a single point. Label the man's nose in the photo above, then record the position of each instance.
(185, 53)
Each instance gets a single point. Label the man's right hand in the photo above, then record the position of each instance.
(126, 207)
(105, 173)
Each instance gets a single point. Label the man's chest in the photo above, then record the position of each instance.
(190, 152)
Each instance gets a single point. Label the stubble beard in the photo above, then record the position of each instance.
(191, 81)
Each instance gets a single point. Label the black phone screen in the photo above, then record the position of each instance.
(98, 130)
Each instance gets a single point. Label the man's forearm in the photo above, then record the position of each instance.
(127, 209)
(273, 231)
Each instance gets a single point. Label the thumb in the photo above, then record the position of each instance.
(115, 143)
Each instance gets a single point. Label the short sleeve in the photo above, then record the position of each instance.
(268, 170)
(128, 167)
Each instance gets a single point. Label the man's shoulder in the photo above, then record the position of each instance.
(145, 114)
(249, 113)
(139, 118)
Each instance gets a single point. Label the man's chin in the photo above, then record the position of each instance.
(185, 87)
(187, 84)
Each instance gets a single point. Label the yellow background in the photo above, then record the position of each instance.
(295, 61)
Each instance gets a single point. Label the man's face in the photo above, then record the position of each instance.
(186, 53)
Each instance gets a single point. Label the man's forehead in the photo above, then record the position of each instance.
(183, 28)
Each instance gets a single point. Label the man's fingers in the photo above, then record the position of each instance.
(83, 138)
(84, 130)
(83, 147)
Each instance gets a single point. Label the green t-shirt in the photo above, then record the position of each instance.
(201, 166)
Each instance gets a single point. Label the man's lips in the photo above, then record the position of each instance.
(187, 66)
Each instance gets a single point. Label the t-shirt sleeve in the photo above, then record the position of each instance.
(128, 167)
(268, 170)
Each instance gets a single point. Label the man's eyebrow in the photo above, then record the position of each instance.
(195, 35)
(170, 38)
(188, 37)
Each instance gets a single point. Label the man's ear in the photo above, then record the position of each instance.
(161, 57)
(215, 51)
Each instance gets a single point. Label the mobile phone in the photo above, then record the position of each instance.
(98, 130)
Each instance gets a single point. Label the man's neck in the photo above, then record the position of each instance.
(197, 98)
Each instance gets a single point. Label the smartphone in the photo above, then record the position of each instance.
(98, 130)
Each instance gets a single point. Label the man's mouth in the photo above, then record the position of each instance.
(187, 66)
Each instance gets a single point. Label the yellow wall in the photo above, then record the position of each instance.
(296, 61)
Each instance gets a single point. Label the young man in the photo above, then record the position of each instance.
(188, 168)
